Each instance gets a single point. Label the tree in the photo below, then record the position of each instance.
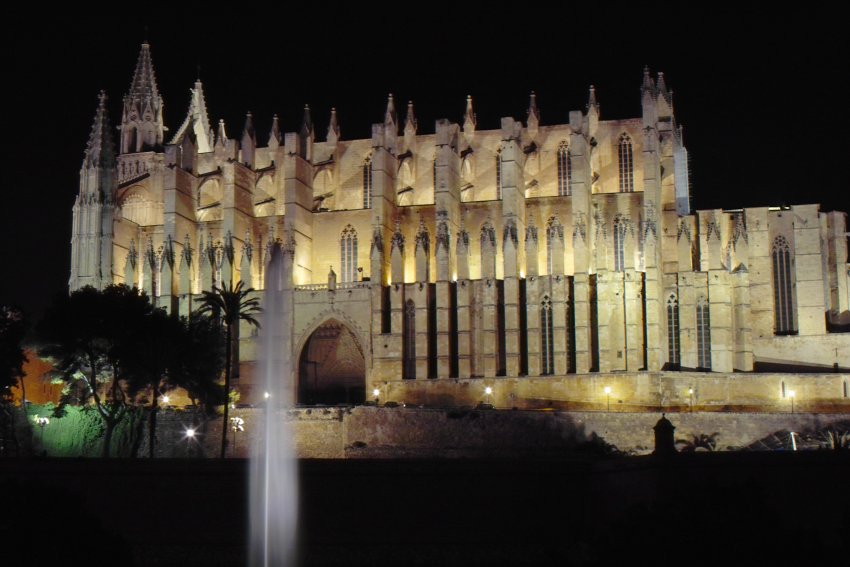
(89, 333)
(148, 359)
(198, 368)
(230, 305)
(12, 358)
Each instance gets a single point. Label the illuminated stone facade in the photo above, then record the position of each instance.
(532, 252)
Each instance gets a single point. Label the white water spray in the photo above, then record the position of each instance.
(274, 482)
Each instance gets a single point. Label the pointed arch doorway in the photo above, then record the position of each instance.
(332, 368)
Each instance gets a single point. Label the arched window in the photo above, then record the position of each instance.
(434, 172)
(619, 244)
(673, 330)
(348, 254)
(551, 234)
(367, 183)
(499, 175)
(565, 167)
(783, 304)
(547, 339)
(624, 150)
(703, 335)
(409, 371)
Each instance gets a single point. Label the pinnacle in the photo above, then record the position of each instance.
(144, 80)
(100, 150)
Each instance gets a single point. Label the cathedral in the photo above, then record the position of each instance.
(536, 265)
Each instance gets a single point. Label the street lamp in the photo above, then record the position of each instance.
(376, 393)
(608, 396)
(165, 399)
(41, 422)
(691, 398)
(237, 424)
(792, 394)
(488, 391)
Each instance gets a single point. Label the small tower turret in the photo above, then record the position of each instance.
(91, 236)
(249, 141)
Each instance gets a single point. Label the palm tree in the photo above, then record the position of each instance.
(230, 305)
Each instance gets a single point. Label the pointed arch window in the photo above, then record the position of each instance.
(619, 244)
(703, 334)
(673, 331)
(551, 235)
(499, 175)
(783, 302)
(434, 172)
(348, 254)
(547, 338)
(367, 183)
(565, 170)
(624, 151)
(409, 370)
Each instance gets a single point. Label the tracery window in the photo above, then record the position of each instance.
(348, 254)
(783, 303)
(547, 339)
(565, 167)
(619, 244)
(624, 150)
(551, 235)
(499, 175)
(434, 172)
(673, 330)
(703, 335)
(409, 371)
(367, 183)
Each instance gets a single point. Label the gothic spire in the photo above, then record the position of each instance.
(142, 126)
(469, 120)
(274, 133)
(144, 81)
(221, 135)
(333, 128)
(248, 129)
(100, 149)
(307, 123)
(533, 120)
(533, 111)
(662, 88)
(648, 84)
(410, 122)
(591, 98)
(197, 120)
(249, 141)
(390, 118)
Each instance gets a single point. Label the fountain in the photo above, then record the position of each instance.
(273, 474)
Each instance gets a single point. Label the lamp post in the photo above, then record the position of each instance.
(608, 396)
(41, 422)
(237, 424)
(792, 394)
(376, 393)
(489, 392)
(691, 398)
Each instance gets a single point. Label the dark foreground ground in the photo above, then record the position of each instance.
(697, 509)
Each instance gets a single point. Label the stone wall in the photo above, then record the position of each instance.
(380, 432)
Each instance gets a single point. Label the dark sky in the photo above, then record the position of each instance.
(758, 92)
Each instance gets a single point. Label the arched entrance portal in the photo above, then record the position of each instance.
(332, 369)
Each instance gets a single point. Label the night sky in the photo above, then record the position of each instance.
(759, 93)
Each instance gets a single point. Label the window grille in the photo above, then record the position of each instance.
(673, 330)
(367, 183)
(703, 335)
(547, 338)
(783, 304)
(624, 150)
(564, 170)
(409, 340)
(348, 254)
